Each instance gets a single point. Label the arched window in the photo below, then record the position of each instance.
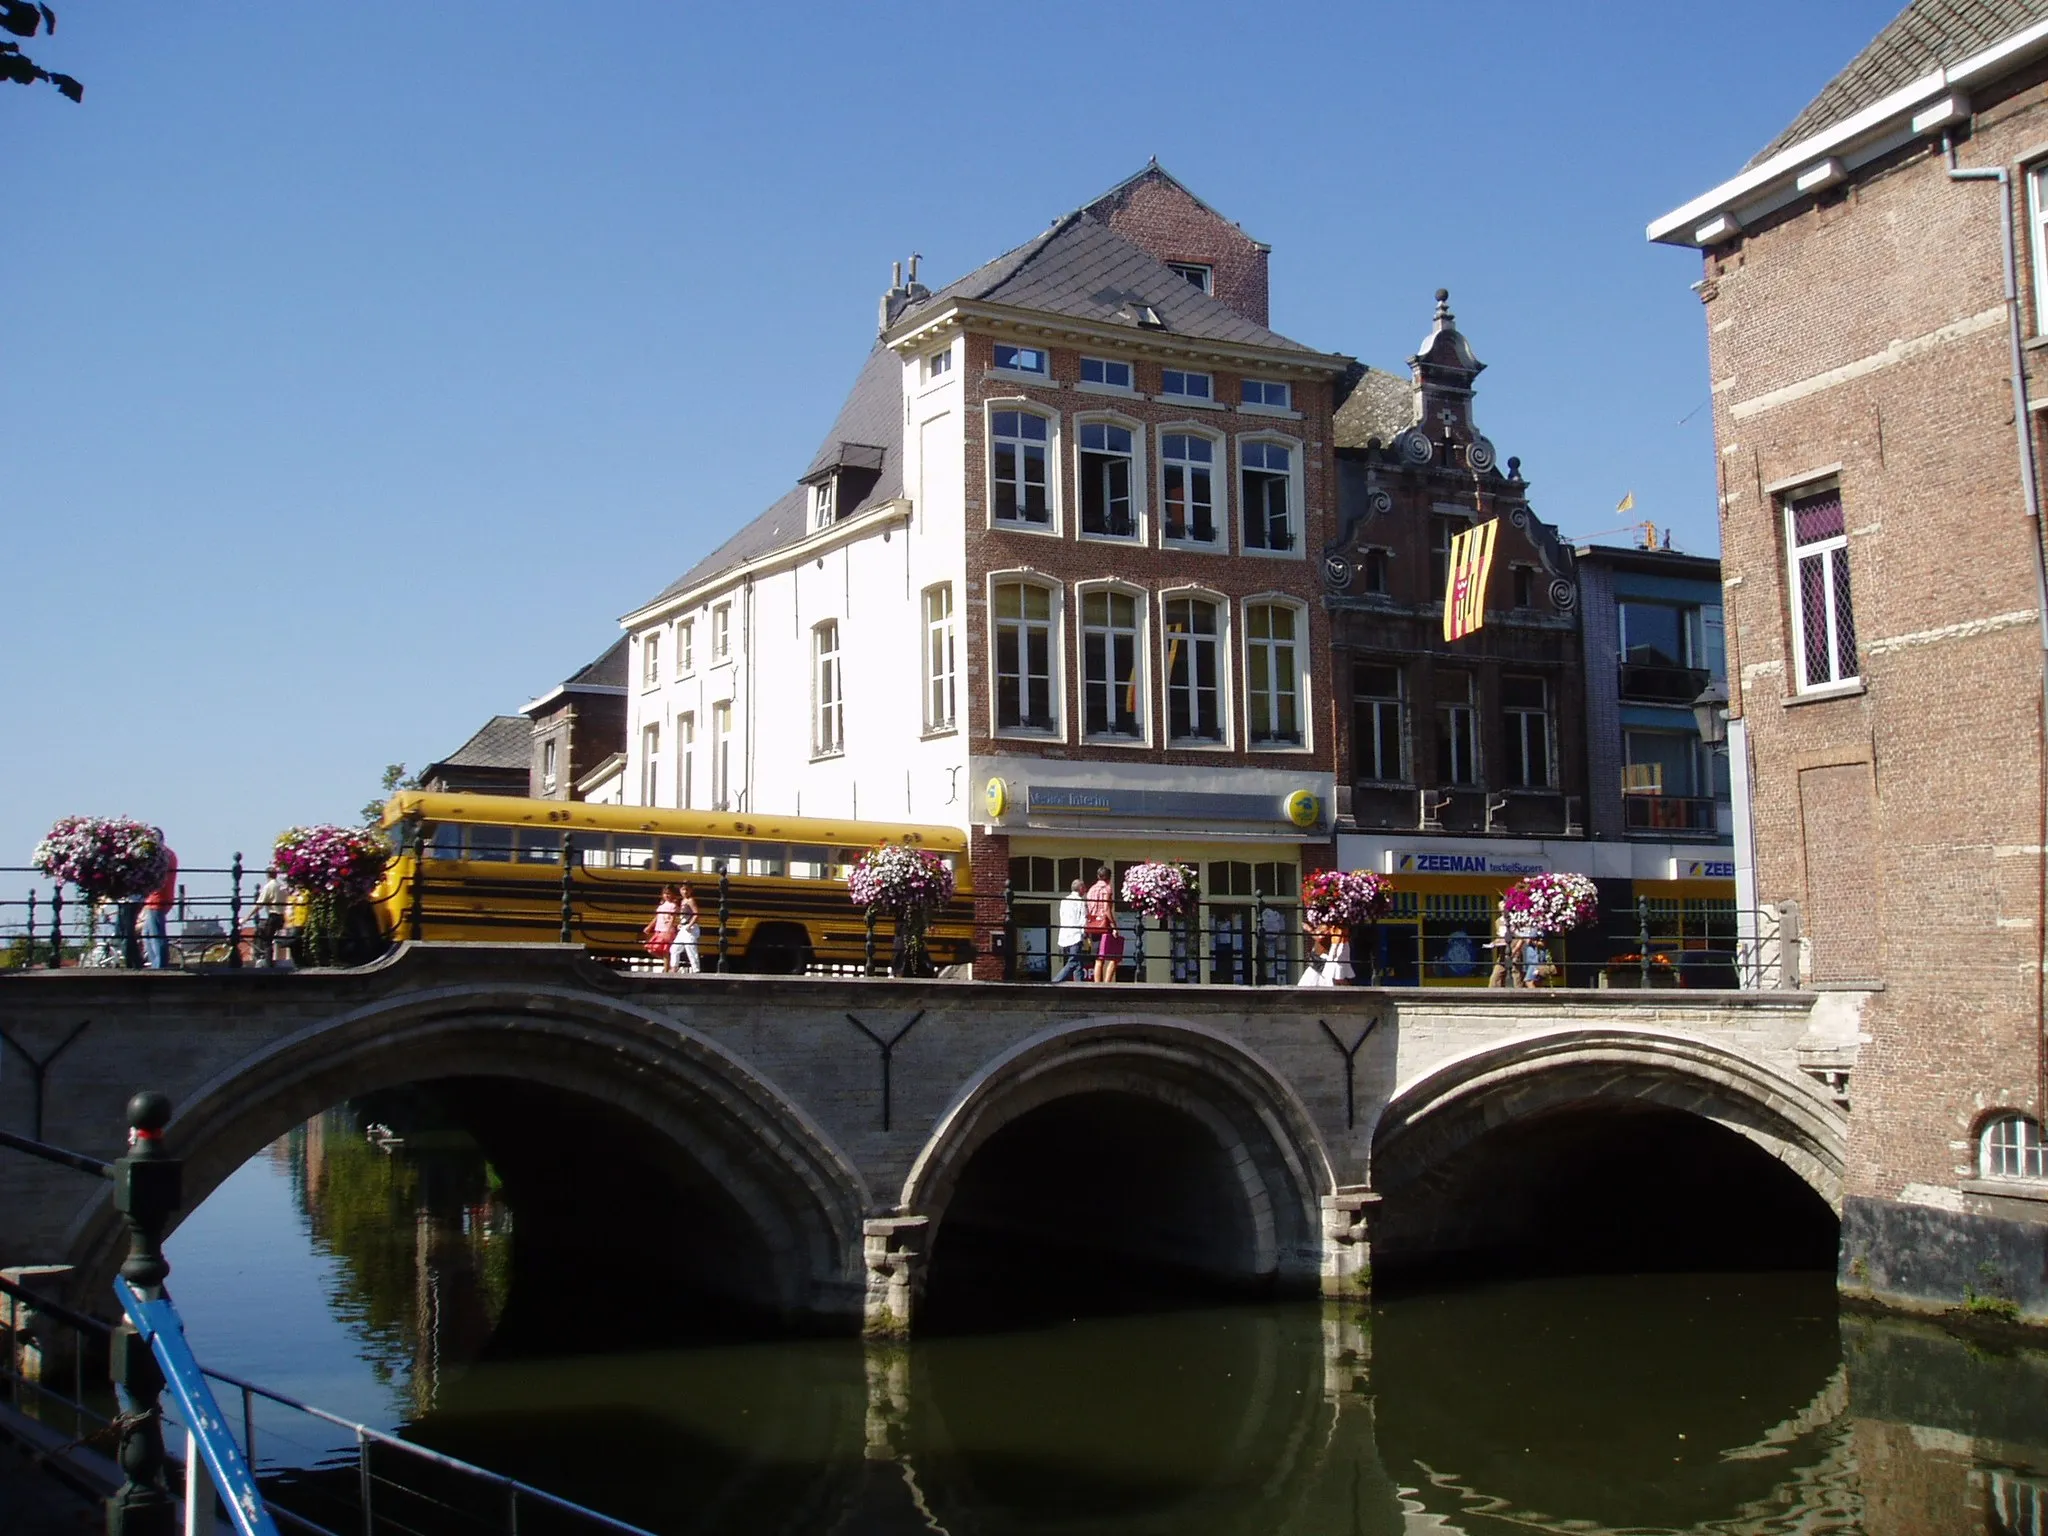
(1194, 671)
(1112, 687)
(2012, 1147)
(1276, 634)
(1025, 700)
(1106, 466)
(1019, 444)
(1268, 494)
(1187, 489)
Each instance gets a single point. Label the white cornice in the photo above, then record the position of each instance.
(960, 314)
(1911, 112)
(563, 689)
(883, 514)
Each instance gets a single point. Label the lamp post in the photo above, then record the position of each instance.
(1710, 713)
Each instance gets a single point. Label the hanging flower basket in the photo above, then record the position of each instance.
(1547, 904)
(335, 869)
(1345, 898)
(109, 858)
(1164, 891)
(909, 883)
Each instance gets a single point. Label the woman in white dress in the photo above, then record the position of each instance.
(1337, 968)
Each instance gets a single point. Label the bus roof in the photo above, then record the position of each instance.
(516, 811)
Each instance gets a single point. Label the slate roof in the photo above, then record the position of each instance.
(1082, 268)
(505, 742)
(1372, 404)
(1927, 35)
(608, 671)
(873, 417)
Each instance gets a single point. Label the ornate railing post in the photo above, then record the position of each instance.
(148, 1187)
(57, 925)
(568, 892)
(1258, 938)
(235, 916)
(868, 968)
(1010, 933)
(28, 957)
(1643, 941)
(725, 917)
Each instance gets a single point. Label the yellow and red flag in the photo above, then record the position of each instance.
(1465, 586)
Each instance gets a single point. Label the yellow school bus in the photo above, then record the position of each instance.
(495, 867)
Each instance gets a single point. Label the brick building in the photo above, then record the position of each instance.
(579, 727)
(1876, 388)
(1051, 578)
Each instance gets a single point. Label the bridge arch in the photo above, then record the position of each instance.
(1487, 1120)
(1177, 1143)
(682, 1110)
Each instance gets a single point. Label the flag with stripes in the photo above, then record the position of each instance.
(1465, 586)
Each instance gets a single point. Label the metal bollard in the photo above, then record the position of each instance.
(148, 1187)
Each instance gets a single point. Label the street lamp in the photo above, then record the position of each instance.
(1710, 712)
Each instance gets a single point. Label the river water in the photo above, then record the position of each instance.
(368, 1279)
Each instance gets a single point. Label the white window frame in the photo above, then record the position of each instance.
(1225, 671)
(1140, 660)
(686, 647)
(1515, 728)
(650, 764)
(1104, 386)
(1189, 271)
(550, 763)
(721, 633)
(823, 503)
(1168, 392)
(828, 691)
(1042, 372)
(1220, 499)
(1468, 708)
(650, 659)
(940, 660)
(2037, 239)
(686, 761)
(1051, 527)
(1832, 551)
(2012, 1137)
(1399, 699)
(721, 755)
(1296, 524)
(1139, 533)
(1056, 668)
(938, 364)
(1283, 407)
(1304, 713)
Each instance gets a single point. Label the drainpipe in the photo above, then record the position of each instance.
(2031, 490)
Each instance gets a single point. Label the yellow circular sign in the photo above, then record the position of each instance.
(996, 797)
(1303, 808)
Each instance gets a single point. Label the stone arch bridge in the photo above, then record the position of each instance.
(822, 1148)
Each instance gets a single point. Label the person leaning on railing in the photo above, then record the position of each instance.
(269, 920)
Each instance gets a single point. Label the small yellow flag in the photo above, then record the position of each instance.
(1465, 585)
(1627, 503)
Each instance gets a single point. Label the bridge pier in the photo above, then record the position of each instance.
(893, 1248)
(1347, 1243)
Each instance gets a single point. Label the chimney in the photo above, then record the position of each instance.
(894, 300)
(916, 290)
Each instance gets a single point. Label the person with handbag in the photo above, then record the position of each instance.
(659, 936)
(683, 945)
(1101, 925)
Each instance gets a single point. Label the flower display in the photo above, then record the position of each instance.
(1345, 898)
(1160, 890)
(109, 858)
(1540, 904)
(329, 860)
(893, 878)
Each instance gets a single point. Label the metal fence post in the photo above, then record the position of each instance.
(1643, 941)
(56, 925)
(1258, 938)
(1010, 933)
(568, 892)
(147, 1189)
(235, 916)
(28, 953)
(868, 967)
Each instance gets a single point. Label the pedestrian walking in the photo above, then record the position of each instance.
(659, 936)
(269, 921)
(1101, 924)
(1071, 933)
(1337, 967)
(682, 949)
(156, 913)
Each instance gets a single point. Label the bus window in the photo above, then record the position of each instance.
(399, 836)
(722, 858)
(677, 855)
(810, 863)
(593, 850)
(539, 846)
(490, 845)
(766, 858)
(633, 851)
(445, 841)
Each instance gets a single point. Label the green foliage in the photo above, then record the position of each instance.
(1992, 1301)
(395, 779)
(25, 20)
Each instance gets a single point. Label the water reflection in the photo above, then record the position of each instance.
(1624, 1404)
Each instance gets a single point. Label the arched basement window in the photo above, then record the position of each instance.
(2013, 1147)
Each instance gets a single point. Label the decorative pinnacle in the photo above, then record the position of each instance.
(1443, 306)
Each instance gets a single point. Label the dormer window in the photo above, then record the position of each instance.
(1021, 359)
(1199, 274)
(823, 502)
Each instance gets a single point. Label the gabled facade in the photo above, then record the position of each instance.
(577, 725)
(1053, 577)
(1876, 295)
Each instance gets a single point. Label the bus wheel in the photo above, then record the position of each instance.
(779, 949)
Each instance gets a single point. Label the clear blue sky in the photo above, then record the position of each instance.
(360, 367)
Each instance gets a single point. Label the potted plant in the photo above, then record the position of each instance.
(334, 870)
(909, 884)
(108, 858)
(1544, 906)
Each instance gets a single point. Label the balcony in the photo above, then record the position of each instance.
(1647, 683)
(1679, 815)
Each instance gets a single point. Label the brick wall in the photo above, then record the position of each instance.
(1155, 213)
(1861, 339)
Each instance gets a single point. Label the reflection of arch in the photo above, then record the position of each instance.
(1457, 1102)
(674, 1089)
(1242, 1102)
